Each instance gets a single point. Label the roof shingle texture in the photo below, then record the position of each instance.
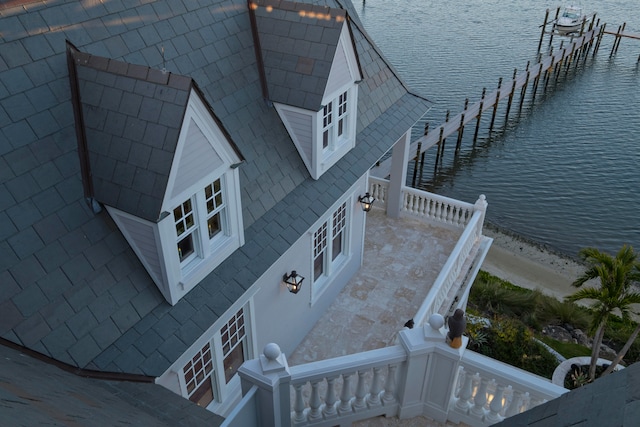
(132, 118)
(298, 43)
(613, 400)
(70, 286)
(35, 393)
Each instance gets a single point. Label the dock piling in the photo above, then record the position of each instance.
(495, 106)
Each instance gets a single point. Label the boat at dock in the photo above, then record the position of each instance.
(570, 21)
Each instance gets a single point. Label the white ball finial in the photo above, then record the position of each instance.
(271, 351)
(436, 321)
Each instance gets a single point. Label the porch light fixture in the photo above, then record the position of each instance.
(366, 201)
(293, 281)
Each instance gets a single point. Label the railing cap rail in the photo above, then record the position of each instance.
(503, 372)
(349, 363)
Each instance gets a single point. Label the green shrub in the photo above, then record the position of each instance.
(554, 312)
(510, 341)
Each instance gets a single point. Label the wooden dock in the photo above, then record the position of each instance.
(546, 67)
(539, 73)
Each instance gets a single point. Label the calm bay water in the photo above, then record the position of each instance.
(565, 171)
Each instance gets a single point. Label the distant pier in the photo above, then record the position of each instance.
(534, 78)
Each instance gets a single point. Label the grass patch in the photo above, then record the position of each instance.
(567, 349)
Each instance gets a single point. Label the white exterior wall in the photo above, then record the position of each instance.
(285, 318)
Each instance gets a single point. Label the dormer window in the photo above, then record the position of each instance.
(184, 218)
(327, 124)
(215, 207)
(190, 230)
(333, 136)
(315, 94)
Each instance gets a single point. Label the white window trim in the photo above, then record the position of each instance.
(182, 277)
(223, 392)
(331, 268)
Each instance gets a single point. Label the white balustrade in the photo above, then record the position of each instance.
(375, 391)
(490, 391)
(433, 207)
(448, 276)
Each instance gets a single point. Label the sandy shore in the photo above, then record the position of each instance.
(529, 265)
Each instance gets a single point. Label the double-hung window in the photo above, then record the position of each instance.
(198, 377)
(234, 338)
(342, 115)
(198, 220)
(186, 229)
(335, 122)
(329, 243)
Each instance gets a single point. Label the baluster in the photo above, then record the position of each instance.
(374, 394)
(466, 391)
(496, 405)
(298, 405)
(314, 402)
(438, 210)
(412, 203)
(480, 399)
(515, 406)
(390, 387)
(359, 402)
(449, 212)
(345, 394)
(329, 409)
(421, 206)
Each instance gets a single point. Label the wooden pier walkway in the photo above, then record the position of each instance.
(542, 70)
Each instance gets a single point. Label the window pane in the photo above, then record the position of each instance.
(318, 266)
(204, 395)
(185, 247)
(233, 361)
(325, 139)
(336, 247)
(213, 224)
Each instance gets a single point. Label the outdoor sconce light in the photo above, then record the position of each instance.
(293, 281)
(366, 201)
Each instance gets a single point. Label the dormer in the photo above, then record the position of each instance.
(157, 158)
(309, 71)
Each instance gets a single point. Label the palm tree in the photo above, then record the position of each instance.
(614, 296)
(623, 351)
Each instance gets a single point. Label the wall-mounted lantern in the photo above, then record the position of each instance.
(293, 281)
(366, 201)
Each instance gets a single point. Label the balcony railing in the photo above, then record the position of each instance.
(443, 210)
(462, 386)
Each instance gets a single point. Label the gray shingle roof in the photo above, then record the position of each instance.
(132, 116)
(35, 393)
(297, 43)
(70, 286)
(610, 401)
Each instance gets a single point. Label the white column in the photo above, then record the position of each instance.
(432, 371)
(399, 161)
(271, 374)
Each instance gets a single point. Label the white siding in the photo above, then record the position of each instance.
(339, 76)
(142, 239)
(198, 159)
(300, 126)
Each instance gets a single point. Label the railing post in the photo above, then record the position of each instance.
(399, 159)
(481, 206)
(270, 373)
(432, 362)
